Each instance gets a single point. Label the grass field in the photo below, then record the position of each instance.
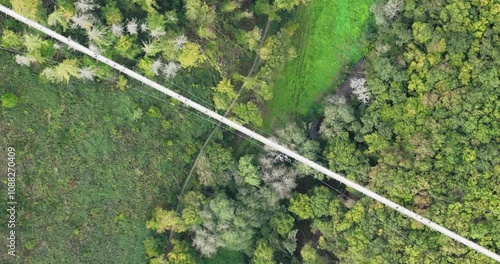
(89, 171)
(328, 40)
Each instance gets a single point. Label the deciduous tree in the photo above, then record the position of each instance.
(62, 72)
(300, 205)
(163, 220)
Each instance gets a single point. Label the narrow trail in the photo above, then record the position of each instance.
(300, 69)
(256, 62)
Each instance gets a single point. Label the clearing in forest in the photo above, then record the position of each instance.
(328, 40)
(92, 164)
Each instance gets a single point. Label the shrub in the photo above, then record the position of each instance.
(154, 112)
(9, 100)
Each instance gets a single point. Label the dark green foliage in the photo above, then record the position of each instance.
(216, 166)
(320, 200)
(111, 13)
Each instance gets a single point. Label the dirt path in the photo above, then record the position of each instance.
(256, 62)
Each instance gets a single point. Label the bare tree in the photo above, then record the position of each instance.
(170, 69)
(117, 30)
(205, 242)
(85, 6)
(144, 27)
(87, 73)
(157, 33)
(57, 46)
(132, 26)
(359, 88)
(24, 60)
(156, 66)
(281, 179)
(95, 34)
(94, 48)
(180, 41)
(392, 7)
(150, 48)
(82, 21)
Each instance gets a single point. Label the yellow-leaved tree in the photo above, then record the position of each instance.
(191, 55)
(62, 72)
(28, 8)
(224, 94)
(166, 220)
(60, 16)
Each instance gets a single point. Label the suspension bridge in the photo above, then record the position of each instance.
(121, 68)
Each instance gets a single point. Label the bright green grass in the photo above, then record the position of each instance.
(328, 40)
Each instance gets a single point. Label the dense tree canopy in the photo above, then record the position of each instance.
(429, 134)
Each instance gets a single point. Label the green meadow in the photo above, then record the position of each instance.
(328, 42)
(91, 166)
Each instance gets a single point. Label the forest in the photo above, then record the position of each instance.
(400, 96)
